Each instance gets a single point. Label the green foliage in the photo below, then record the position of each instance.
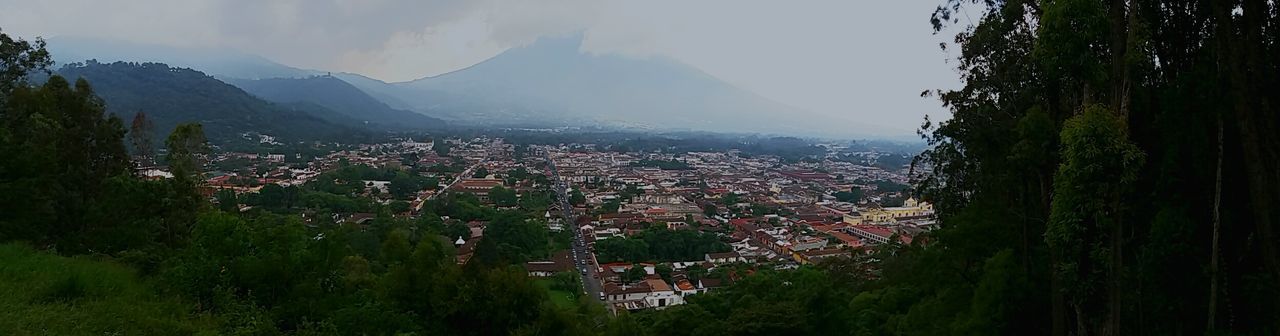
(730, 199)
(404, 185)
(334, 94)
(62, 155)
(610, 206)
(621, 249)
(660, 244)
(852, 196)
(440, 147)
(227, 200)
(503, 197)
(18, 59)
(709, 210)
(80, 296)
(663, 164)
(800, 302)
(566, 281)
(634, 274)
(511, 239)
(1098, 169)
(187, 148)
(172, 96)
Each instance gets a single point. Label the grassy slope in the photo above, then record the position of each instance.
(45, 294)
(561, 299)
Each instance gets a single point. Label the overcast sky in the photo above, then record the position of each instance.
(859, 61)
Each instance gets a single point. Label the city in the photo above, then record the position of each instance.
(734, 212)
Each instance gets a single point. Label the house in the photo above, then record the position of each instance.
(812, 256)
(560, 262)
(877, 234)
(477, 186)
(708, 284)
(650, 293)
(724, 258)
(467, 247)
(909, 209)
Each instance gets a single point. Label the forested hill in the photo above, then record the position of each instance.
(170, 96)
(339, 96)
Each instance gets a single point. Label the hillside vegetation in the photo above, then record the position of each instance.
(45, 294)
(170, 96)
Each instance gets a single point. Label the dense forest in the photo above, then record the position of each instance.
(170, 96)
(1110, 168)
(338, 96)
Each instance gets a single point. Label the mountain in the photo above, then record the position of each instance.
(217, 62)
(171, 96)
(339, 96)
(553, 79)
(549, 82)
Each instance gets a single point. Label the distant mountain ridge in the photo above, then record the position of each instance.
(216, 62)
(339, 96)
(553, 79)
(549, 82)
(171, 96)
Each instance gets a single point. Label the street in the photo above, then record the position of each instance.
(584, 260)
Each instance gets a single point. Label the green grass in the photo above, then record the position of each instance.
(46, 294)
(560, 298)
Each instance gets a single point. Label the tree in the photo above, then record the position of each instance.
(622, 249)
(577, 198)
(1098, 169)
(481, 173)
(404, 185)
(503, 197)
(61, 150)
(227, 200)
(634, 274)
(709, 210)
(19, 58)
(440, 147)
(695, 272)
(664, 271)
(852, 196)
(610, 206)
(510, 238)
(187, 148)
(140, 135)
(730, 199)
(398, 206)
(567, 282)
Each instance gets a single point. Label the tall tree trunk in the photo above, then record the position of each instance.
(1254, 120)
(1057, 299)
(1213, 259)
(1121, 17)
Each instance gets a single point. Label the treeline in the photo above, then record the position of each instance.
(171, 96)
(663, 164)
(1110, 168)
(661, 245)
(790, 148)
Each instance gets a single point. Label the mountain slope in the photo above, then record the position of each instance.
(171, 96)
(339, 96)
(220, 63)
(553, 79)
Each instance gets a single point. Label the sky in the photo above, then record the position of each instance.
(856, 61)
